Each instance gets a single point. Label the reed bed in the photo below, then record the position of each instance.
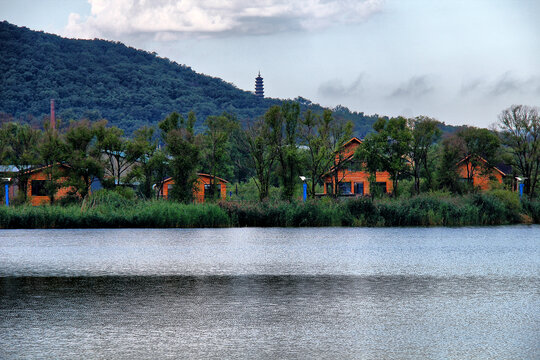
(111, 210)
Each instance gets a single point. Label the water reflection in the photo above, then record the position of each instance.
(269, 316)
(328, 293)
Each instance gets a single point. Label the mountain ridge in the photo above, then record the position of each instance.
(129, 87)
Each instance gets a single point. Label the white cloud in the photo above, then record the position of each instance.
(170, 19)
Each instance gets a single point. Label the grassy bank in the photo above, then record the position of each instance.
(108, 210)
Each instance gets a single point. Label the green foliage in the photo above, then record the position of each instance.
(532, 209)
(216, 148)
(19, 147)
(520, 131)
(83, 157)
(262, 155)
(387, 148)
(478, 150)
(107, 208)
(510, 199)
(364, 211)
(180, 140)
(271, 214)
(109, 198)
(103, 79)
(116, 152)
(491, 210)
(425, 132)
(53, 153)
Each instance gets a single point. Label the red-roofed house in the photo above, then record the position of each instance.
(354, 182)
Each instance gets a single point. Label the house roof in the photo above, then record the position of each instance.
(200, 175)
(42, 167)
(485, 161)
(353, 140)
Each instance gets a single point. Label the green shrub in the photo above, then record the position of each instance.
(364, 211)
(492, 210)
(107, 199)
(532, 208)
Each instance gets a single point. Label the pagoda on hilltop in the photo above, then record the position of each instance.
(259, 87)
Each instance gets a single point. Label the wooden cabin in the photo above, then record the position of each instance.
(354, 182)
(36, 191)
(483, 174)
(202, 187)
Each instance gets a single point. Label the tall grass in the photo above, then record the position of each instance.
(111, 210)
(160, 214)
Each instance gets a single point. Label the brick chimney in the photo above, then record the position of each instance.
(53, 119)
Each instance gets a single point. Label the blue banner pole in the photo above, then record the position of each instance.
(7, 194)
(305, 191)
(521, 186)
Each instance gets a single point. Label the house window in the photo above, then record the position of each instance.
(345, 188)
(38, 188)
(207, 192)
(169, 189)
(359, 188)
(382, 187)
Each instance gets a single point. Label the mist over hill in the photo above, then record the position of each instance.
(97, 79)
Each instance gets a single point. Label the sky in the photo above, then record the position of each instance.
(461, 62)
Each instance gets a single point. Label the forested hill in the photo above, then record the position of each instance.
(103, 79)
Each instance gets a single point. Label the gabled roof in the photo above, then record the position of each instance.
(200, 175)
(43, 167)
(484, 161)
(348, 158)
(353, 140)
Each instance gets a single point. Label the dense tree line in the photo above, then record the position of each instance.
(274, 151)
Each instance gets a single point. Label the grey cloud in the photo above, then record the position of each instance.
(337, 89)
(506, 84)
(416, 86)
(511, 84)
(472, 86)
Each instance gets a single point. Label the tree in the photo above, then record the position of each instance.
(217, 146)
(151, 163)
(520, 131)
(83, 157)
(262, 155)
(479, 150)
(387, 149)
(53, 151)
(283, 123)
(340, 131)
(447, 176)
(20, 148)
(317, 136)
(425, 133)
(114, 147)
(181, 146)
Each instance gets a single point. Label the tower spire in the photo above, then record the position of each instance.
(259, 86)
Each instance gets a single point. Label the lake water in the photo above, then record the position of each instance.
(318, 293)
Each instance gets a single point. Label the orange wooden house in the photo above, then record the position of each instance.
(202, 187)
(36, 186)
(355, 182)
(482, 175)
